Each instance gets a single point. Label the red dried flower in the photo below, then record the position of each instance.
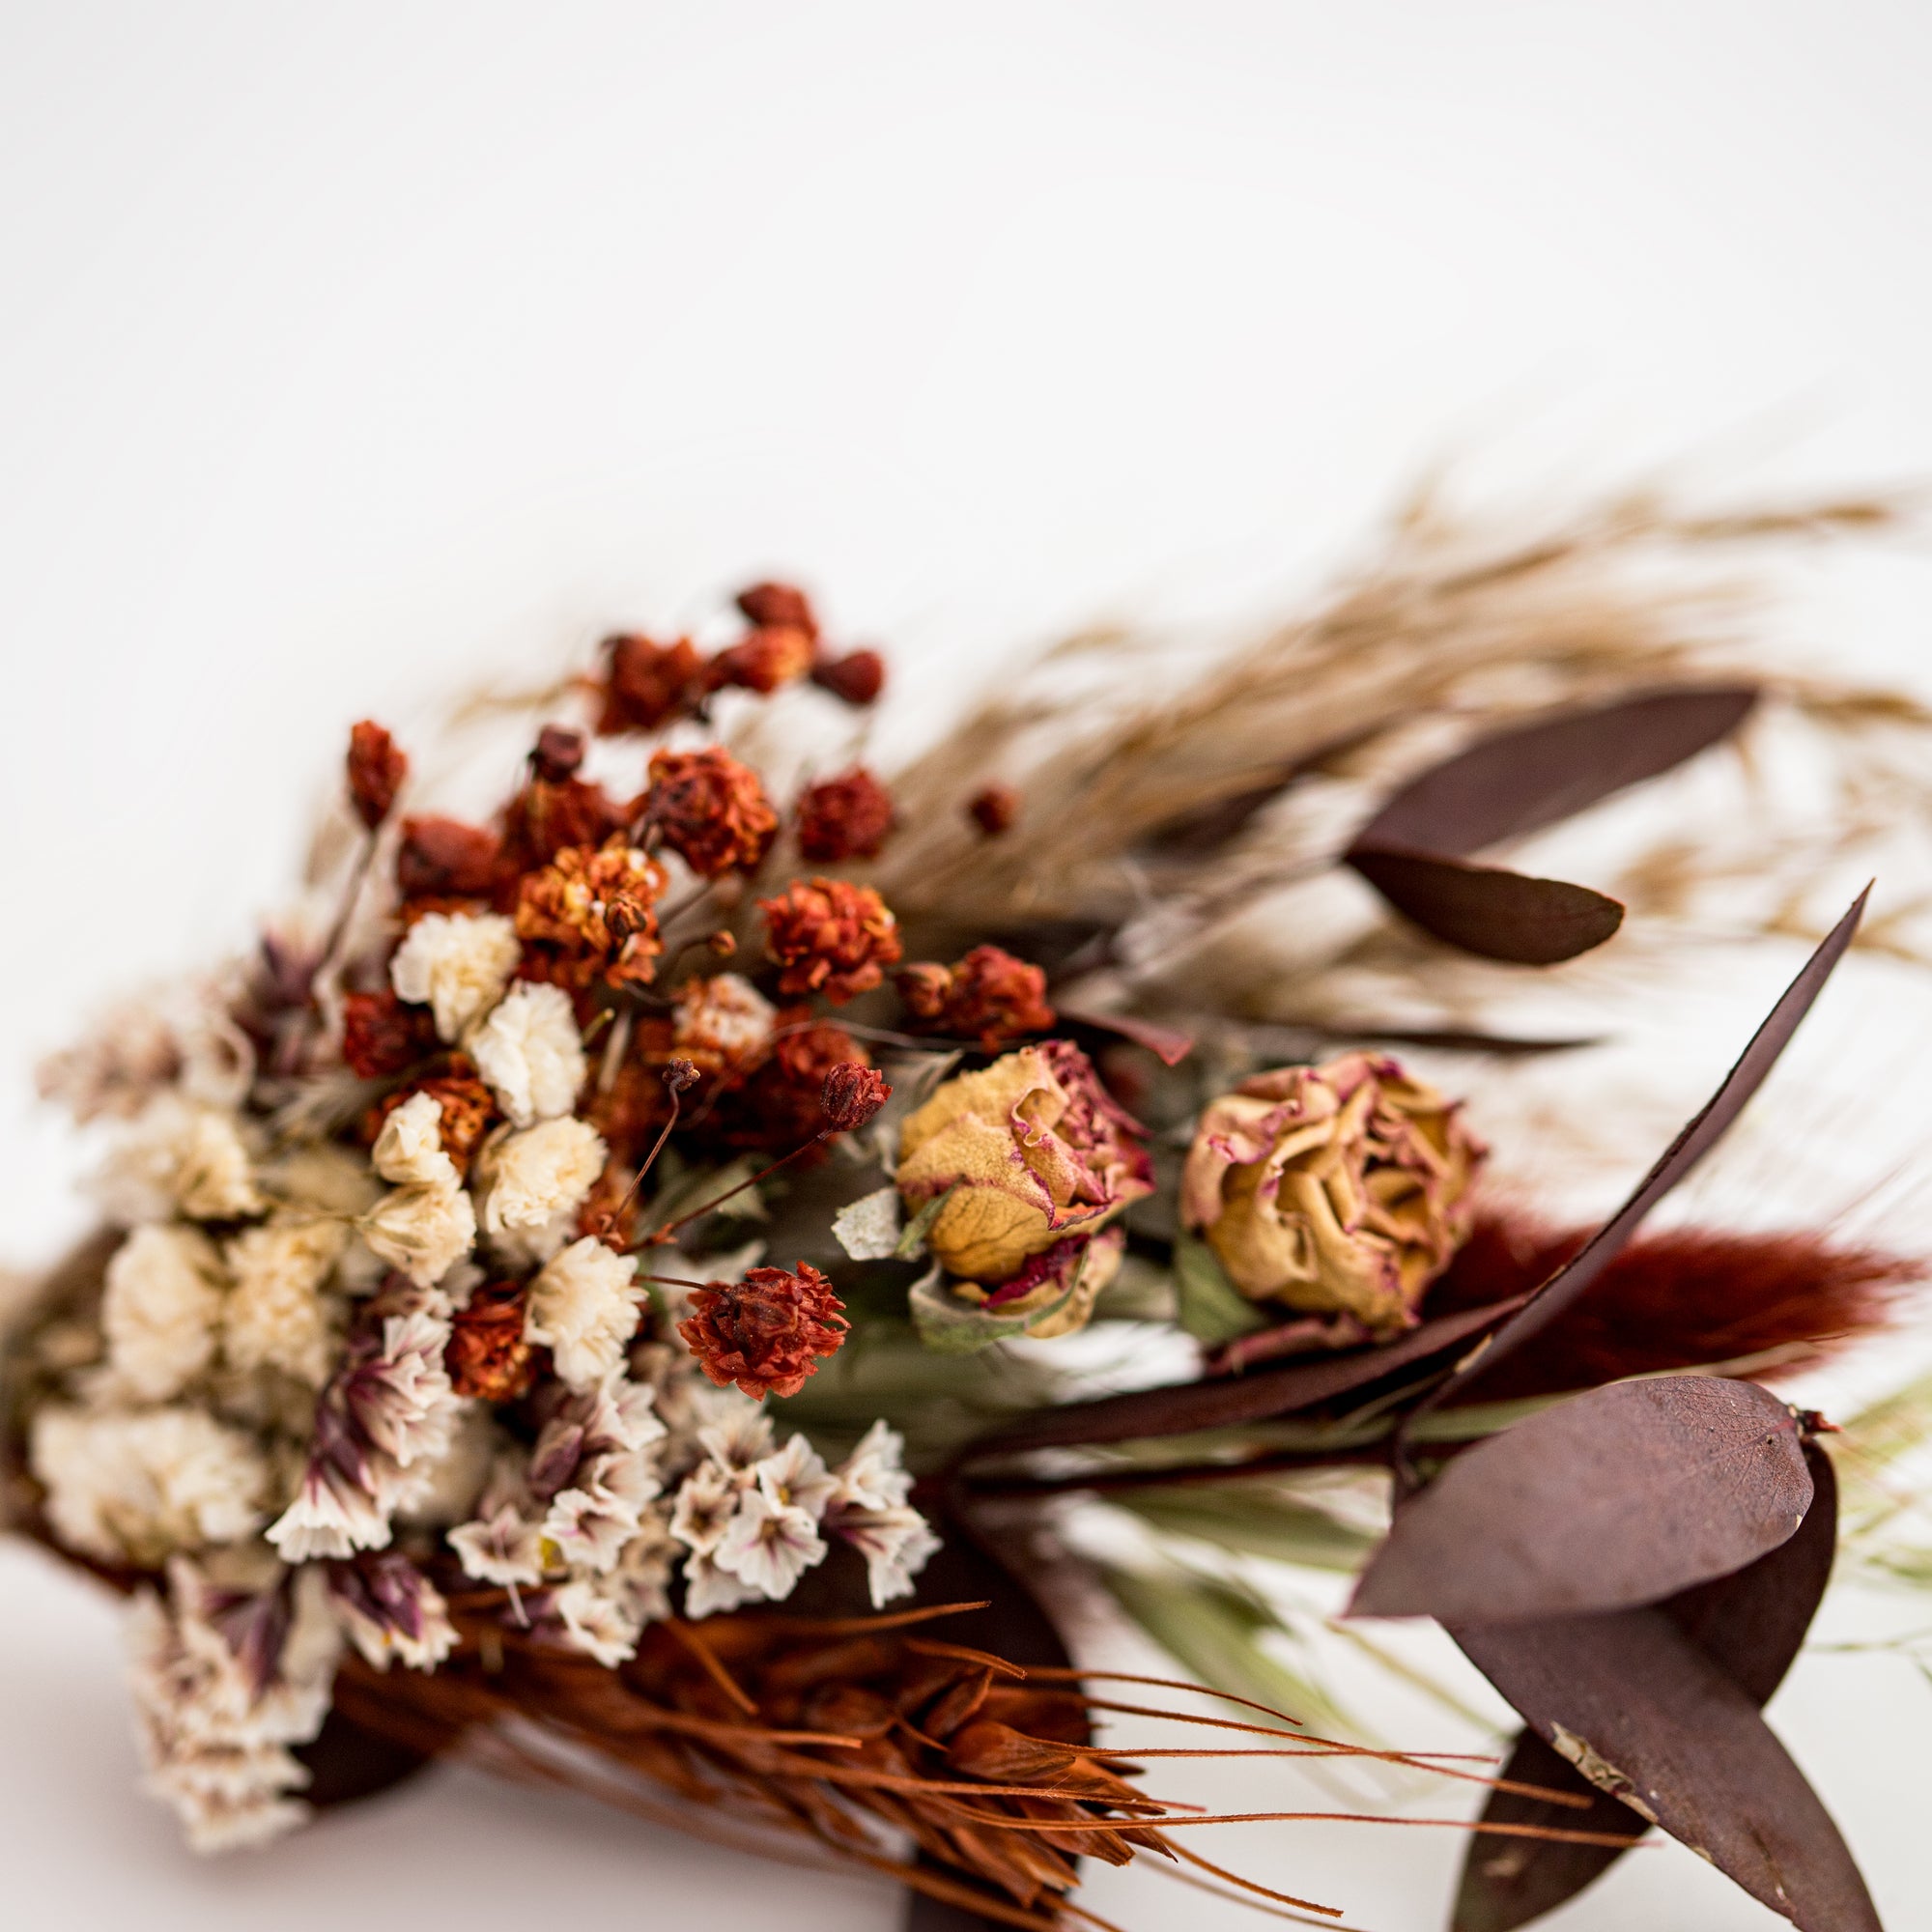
(646, 685)
(442, 857)
(555, 809)
(377, 769)
(773, 655)
(831, 937)
(779, 604)
(846, 818)
(858, 677)
(852, 1094)
(559, 752)
(591, 912)
(467, 1107)
(382, 1036)
(486, 1354)
(711, 810)
(764, 1331)
(781, 1105)
(989, 996)
(994, 810)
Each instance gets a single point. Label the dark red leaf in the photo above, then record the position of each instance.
(1750, 1624)
(1486, 910)
(1614, 1498)
(1538, 774)
(1691, 1145)
(1167, 1043)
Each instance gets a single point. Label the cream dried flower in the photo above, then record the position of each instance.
(531, 1054)
(458, 963)
(536, 1179)
(709, 1589)
(723, 1019)
(795, 1477)
(426, 1223)
(160, 1311)
(502, 1545)
(584, 1306)
(276, 1314)
(896, 1542)
(409, 1151)
(137, 1485)
(705, 1501)
(180, 1158)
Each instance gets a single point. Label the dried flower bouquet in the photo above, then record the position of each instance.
(585, 1295)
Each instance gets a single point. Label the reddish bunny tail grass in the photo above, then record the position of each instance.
(1764, 1305)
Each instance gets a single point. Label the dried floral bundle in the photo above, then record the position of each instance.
(600, 1256)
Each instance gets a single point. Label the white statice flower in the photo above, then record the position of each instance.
(160, 1310)
(454, 1482)
(391, 1612)
(180, 1157)
(276, 1314)
(502, 1544)
(426, 1223)
(795, 1477)
(595, 1464)
(584, 1306)
(530, 1053)
(896, 1544)
(401, 1402)
(336, 1512)
(873, 1476)
(738, 1436)
(179, 1034)
(709, 1589)
(725, 1017)
(705, 1501)
(137, 1485)
(223, 1684)
(458, 963)
(535, 1180)
(604, 1615)
(769, 1547)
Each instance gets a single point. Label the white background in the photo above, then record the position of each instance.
(347, 351)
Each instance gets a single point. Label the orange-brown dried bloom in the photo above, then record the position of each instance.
(711, 810)
(846, 818)
(646, 685)
(989, 996)
(781, 1105)
(773, 655)
(592, 912)
(486, 1354)
(831, 937)
(763, 1332)
(858, 677)
(377, 769)
(852, 1094)
(781, 604)
(444, 859)
(382, 1036)
(994, 808)
(467, 1107)
(555, 809)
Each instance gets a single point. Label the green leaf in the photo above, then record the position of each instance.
(954, 1326)
(1212, 1308)
(1252, 1520)
(912, 1241)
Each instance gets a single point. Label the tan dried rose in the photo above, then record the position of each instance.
(1338, 1188)
(1027, 1153)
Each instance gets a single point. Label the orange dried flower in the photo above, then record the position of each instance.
(711, 810)
(994, 810)
(556, 807)
(988, 996)
(773, 655)
(486, 1354)
(831, 937)
(442, 857)
(763, 1332)
(858, 677)
(382, 1036)
(377, 769)
(778, 604)
(467, 1107)
(646, 685)
(846, 818)
(592, 912)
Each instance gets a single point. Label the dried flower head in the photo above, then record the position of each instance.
(763, 1332)
(487, 1354)
(988, 996)
(377, 769)
(711, 810)
(994, 808)
(844, 817)
(445, 858)
(1344, 1187)
(161, 1309)
(584, 1307)
(852, 1094)
(857, 678)
(646, 685)
(466, 1109)
(830, 937)
(779, 604)
(530, 1050)
(382, 1036)
(781, 1105)
(723, 1022)
(556, 807)
(535, 1180)
(456, 963)
(557, 754)
(591, 914)
(774, 655)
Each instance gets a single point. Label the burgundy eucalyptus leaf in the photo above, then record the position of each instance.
(1167, 1043)
(1614, 1498)
(1697, 1139)
(1518, 781)
(1486, 910)
(1750, 1624)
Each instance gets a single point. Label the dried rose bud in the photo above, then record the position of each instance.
(831, 937)
(646, 685)
(711, 810)
(442, 857)
(771, 656)
(592, 913)
(781, 604)
(764, 1331)
(467, 1107)
(994, 808)
(1339, 1187)
(846, 818)
(1029, 1151)
(853, 1094)
(559, 752)
(486, 1354)
(989, 996)
(382, 1036)
(377, 769)
(857, 678)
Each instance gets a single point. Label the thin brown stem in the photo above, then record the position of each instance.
(671, 1227)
